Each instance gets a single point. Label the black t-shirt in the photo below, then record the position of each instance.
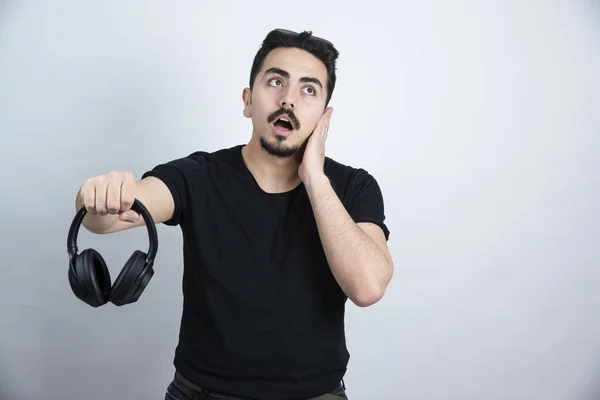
(263, 316)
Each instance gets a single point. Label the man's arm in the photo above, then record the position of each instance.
(150, 191)
(357, 254)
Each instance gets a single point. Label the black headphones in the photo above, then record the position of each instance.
(89, 277)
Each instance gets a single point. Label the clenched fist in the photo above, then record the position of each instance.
(111, 193)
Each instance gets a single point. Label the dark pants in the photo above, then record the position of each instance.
(182, 389)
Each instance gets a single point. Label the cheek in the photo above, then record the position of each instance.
(259, 110)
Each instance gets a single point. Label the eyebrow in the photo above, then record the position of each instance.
(285, 74)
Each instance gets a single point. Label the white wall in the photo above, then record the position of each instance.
(481, 121)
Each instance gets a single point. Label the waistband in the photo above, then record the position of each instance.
(205, 392)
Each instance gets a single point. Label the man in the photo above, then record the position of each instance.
(276, 238)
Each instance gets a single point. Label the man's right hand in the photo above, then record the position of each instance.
(111, 193)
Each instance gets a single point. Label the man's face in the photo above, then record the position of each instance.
(292, 86)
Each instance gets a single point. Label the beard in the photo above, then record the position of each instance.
(278, 148)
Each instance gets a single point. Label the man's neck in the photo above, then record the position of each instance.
(273, 174)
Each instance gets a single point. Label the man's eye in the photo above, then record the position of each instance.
(276, 82)
(309, 90)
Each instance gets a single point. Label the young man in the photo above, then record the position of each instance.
(276, 238)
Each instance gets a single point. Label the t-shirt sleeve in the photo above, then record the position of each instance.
(182, 176)
(365, 200)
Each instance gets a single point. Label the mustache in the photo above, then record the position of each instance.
(290, 114)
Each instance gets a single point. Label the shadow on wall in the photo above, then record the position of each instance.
(9, 390)
(3, 9)
(3, 393)
(595, 10)
(591, 391)
(4, 6)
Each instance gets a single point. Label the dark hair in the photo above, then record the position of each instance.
(320, 48)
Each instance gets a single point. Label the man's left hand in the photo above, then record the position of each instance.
(314, 154)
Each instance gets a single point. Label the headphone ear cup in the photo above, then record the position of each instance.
(90, 278)
(126, 288)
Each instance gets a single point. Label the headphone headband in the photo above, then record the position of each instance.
(137, 206)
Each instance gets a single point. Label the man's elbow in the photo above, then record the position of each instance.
(368, 296)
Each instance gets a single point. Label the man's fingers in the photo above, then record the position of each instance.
(327, 116)
(127, 192)
(101, 194)
(129, 216)
(89, 198)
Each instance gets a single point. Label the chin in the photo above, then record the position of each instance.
(277, 146)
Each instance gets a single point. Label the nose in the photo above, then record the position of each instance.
(286, 100)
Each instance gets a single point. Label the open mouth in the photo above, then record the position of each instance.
(284, 123)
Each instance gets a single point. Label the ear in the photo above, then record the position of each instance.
(247, 99)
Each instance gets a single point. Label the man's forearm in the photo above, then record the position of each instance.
(360, 266)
